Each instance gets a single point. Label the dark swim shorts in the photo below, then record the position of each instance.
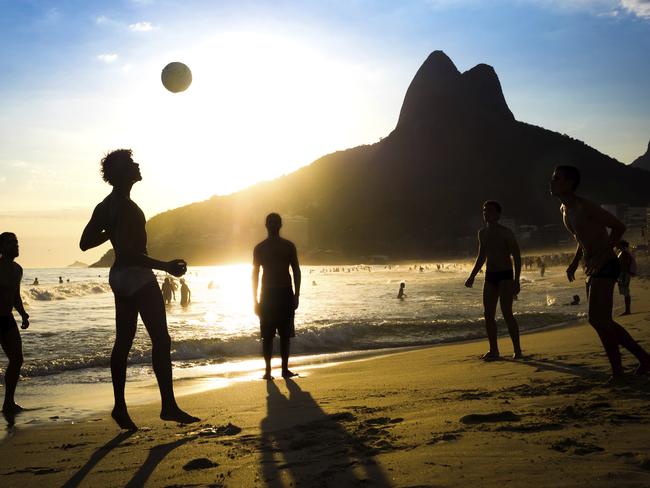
(610, 270)
(7, 322)
(277, 313)
(494, 277)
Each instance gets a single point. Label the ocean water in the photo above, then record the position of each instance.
(344, 311)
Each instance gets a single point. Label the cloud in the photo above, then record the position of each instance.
(102, 19)
(141, 27)
(640, 8)
(107, 58)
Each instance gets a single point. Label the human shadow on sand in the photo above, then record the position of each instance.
(318, 451)
(156, 455)
(96, 456)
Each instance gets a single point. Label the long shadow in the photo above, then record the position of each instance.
(559, 367)
(156, 455)
(320, 451)
(97, 456)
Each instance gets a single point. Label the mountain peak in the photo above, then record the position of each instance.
(643, 161)
(439, 94)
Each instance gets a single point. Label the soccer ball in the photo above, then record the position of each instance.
(176, 77)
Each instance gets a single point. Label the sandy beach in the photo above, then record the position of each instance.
(429, 417)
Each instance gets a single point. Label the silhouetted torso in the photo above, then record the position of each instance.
(10, 275)
(274, 254)
(498, 241)
(125, 223)
(589, 232)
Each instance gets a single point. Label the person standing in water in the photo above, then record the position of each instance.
(134, 284)
(400, 294)
(498, 246)
(186, 293)
(588, 223)
(167, 291)
(278, 301)
(10, 275)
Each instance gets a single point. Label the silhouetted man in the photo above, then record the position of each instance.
(186, 293)
(588, 223)
(277, 302)
(10, 275)
(134, 284)
(497, 244)
(167, 291)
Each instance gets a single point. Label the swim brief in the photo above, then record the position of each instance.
(277, 313)
(610, 270)
(494, 277)
(7, 322)
(126, 280)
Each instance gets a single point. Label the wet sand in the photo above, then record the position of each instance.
(431, 417)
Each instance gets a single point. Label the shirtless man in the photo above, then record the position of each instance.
(10, 275)
(278, 302)
(134, 284)
(588, 223)
(497, 244)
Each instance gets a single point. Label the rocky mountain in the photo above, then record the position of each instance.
(643, 162)
(417, 193)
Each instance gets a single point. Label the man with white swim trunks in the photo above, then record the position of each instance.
(134, 284)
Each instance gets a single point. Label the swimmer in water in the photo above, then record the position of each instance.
(400, 294)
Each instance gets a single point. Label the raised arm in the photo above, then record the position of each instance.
(94, 234)
(480, 260)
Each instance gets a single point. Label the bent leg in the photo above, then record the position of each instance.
(600, 318)
(126, 317)
(13, 347)
(490, 299)
(152, 310)
(505, 299)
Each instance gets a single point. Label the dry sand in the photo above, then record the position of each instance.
(426, 418)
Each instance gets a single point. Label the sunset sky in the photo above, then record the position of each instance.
(277, 85)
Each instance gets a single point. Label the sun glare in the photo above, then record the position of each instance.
(259, 106)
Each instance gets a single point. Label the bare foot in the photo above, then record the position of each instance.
(289, 374)
(267, 377)
(12, 409)
(490, 356)
(518, 355)
(123, 419)
(177, 415)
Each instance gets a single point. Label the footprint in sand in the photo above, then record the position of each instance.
(482, 418)
(200, 463)
(573, 446)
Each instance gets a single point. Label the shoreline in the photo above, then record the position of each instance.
(431, 416)
(190, 380)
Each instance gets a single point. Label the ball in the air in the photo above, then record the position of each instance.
(176, 77)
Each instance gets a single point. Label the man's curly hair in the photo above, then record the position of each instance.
(110, 164)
